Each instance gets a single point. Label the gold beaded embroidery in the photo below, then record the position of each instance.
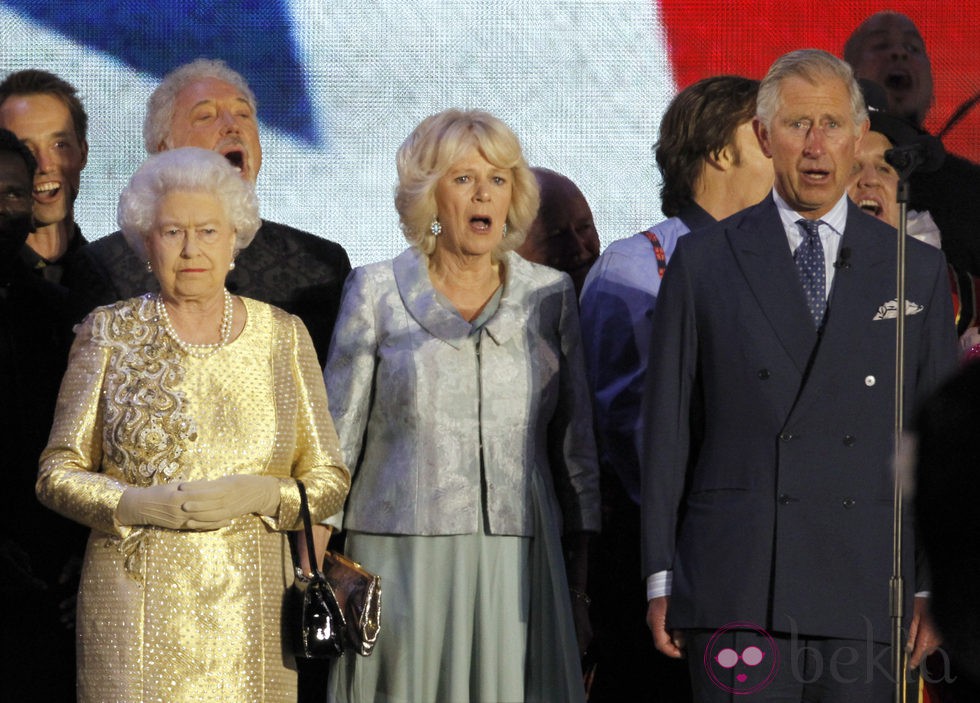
(146, 418)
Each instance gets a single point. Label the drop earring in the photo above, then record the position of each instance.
(504, 235)
(149, 266)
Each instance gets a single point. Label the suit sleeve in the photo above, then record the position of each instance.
(666, 432)
(938, 348)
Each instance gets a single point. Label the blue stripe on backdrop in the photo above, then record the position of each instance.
(259, 44)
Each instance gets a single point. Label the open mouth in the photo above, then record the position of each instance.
(481, 224)
(870, 206)
(236, 157)
(898, 80)
(816, 175)
(47, 191)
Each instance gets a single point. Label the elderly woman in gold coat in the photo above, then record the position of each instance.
(184, 420)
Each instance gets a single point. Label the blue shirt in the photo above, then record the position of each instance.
(616, 311)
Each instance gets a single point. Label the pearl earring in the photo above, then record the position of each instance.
(231, 266)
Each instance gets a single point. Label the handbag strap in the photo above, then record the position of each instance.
(308, 529)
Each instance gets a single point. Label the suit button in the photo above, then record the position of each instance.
(763, 374)
(786, 436)
(849, 440)
(848, 503)
(869, 381)
(785, 499)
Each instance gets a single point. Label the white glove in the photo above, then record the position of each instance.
(223, 499)
(154, 505)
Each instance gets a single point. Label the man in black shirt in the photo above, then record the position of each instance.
(46, 114)
(888, 49)
(39, 550)
(206, 104)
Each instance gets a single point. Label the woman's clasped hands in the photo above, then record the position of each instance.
(199, 505)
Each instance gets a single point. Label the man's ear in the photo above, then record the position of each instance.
(862, 130)
(762, 134)
(84, 148)
(721, 159)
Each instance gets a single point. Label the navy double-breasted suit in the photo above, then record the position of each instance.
(779, 514)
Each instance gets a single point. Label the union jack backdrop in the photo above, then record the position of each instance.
(340, 83)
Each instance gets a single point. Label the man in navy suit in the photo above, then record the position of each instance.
(768, 544)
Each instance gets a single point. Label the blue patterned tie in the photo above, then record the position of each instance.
(812, 267)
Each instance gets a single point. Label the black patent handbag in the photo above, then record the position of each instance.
(317, 622)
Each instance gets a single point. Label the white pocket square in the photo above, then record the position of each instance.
(889, 310)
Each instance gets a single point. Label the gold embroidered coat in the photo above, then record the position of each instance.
(167, 615)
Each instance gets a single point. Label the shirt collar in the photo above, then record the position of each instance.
(835, 219)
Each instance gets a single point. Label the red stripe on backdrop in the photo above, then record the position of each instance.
(708, 37)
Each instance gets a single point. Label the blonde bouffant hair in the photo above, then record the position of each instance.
(432, 149)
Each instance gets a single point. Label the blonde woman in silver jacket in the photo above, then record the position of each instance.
(457, 383)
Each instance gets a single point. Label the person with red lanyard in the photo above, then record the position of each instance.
(711, 166)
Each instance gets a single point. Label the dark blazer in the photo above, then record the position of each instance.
(38, 547)
(950, 195)
(784, 517)
(294, 270)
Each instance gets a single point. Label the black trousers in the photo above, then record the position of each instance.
(627, 666)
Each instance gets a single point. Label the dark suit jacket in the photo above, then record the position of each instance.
(784, 517)
(301, 273)
(37, 546)
(950, 195)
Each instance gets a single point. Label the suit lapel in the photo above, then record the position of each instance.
(759, 244)
(853, 304)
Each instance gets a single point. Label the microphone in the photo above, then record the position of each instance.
(843, 259)
(925, 154)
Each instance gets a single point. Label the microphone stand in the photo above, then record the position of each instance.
(908, 163)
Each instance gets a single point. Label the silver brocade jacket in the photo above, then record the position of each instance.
(414, 396)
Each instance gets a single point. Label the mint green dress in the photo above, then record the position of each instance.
(469, 618)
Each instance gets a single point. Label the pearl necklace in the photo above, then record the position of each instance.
(200, 350)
